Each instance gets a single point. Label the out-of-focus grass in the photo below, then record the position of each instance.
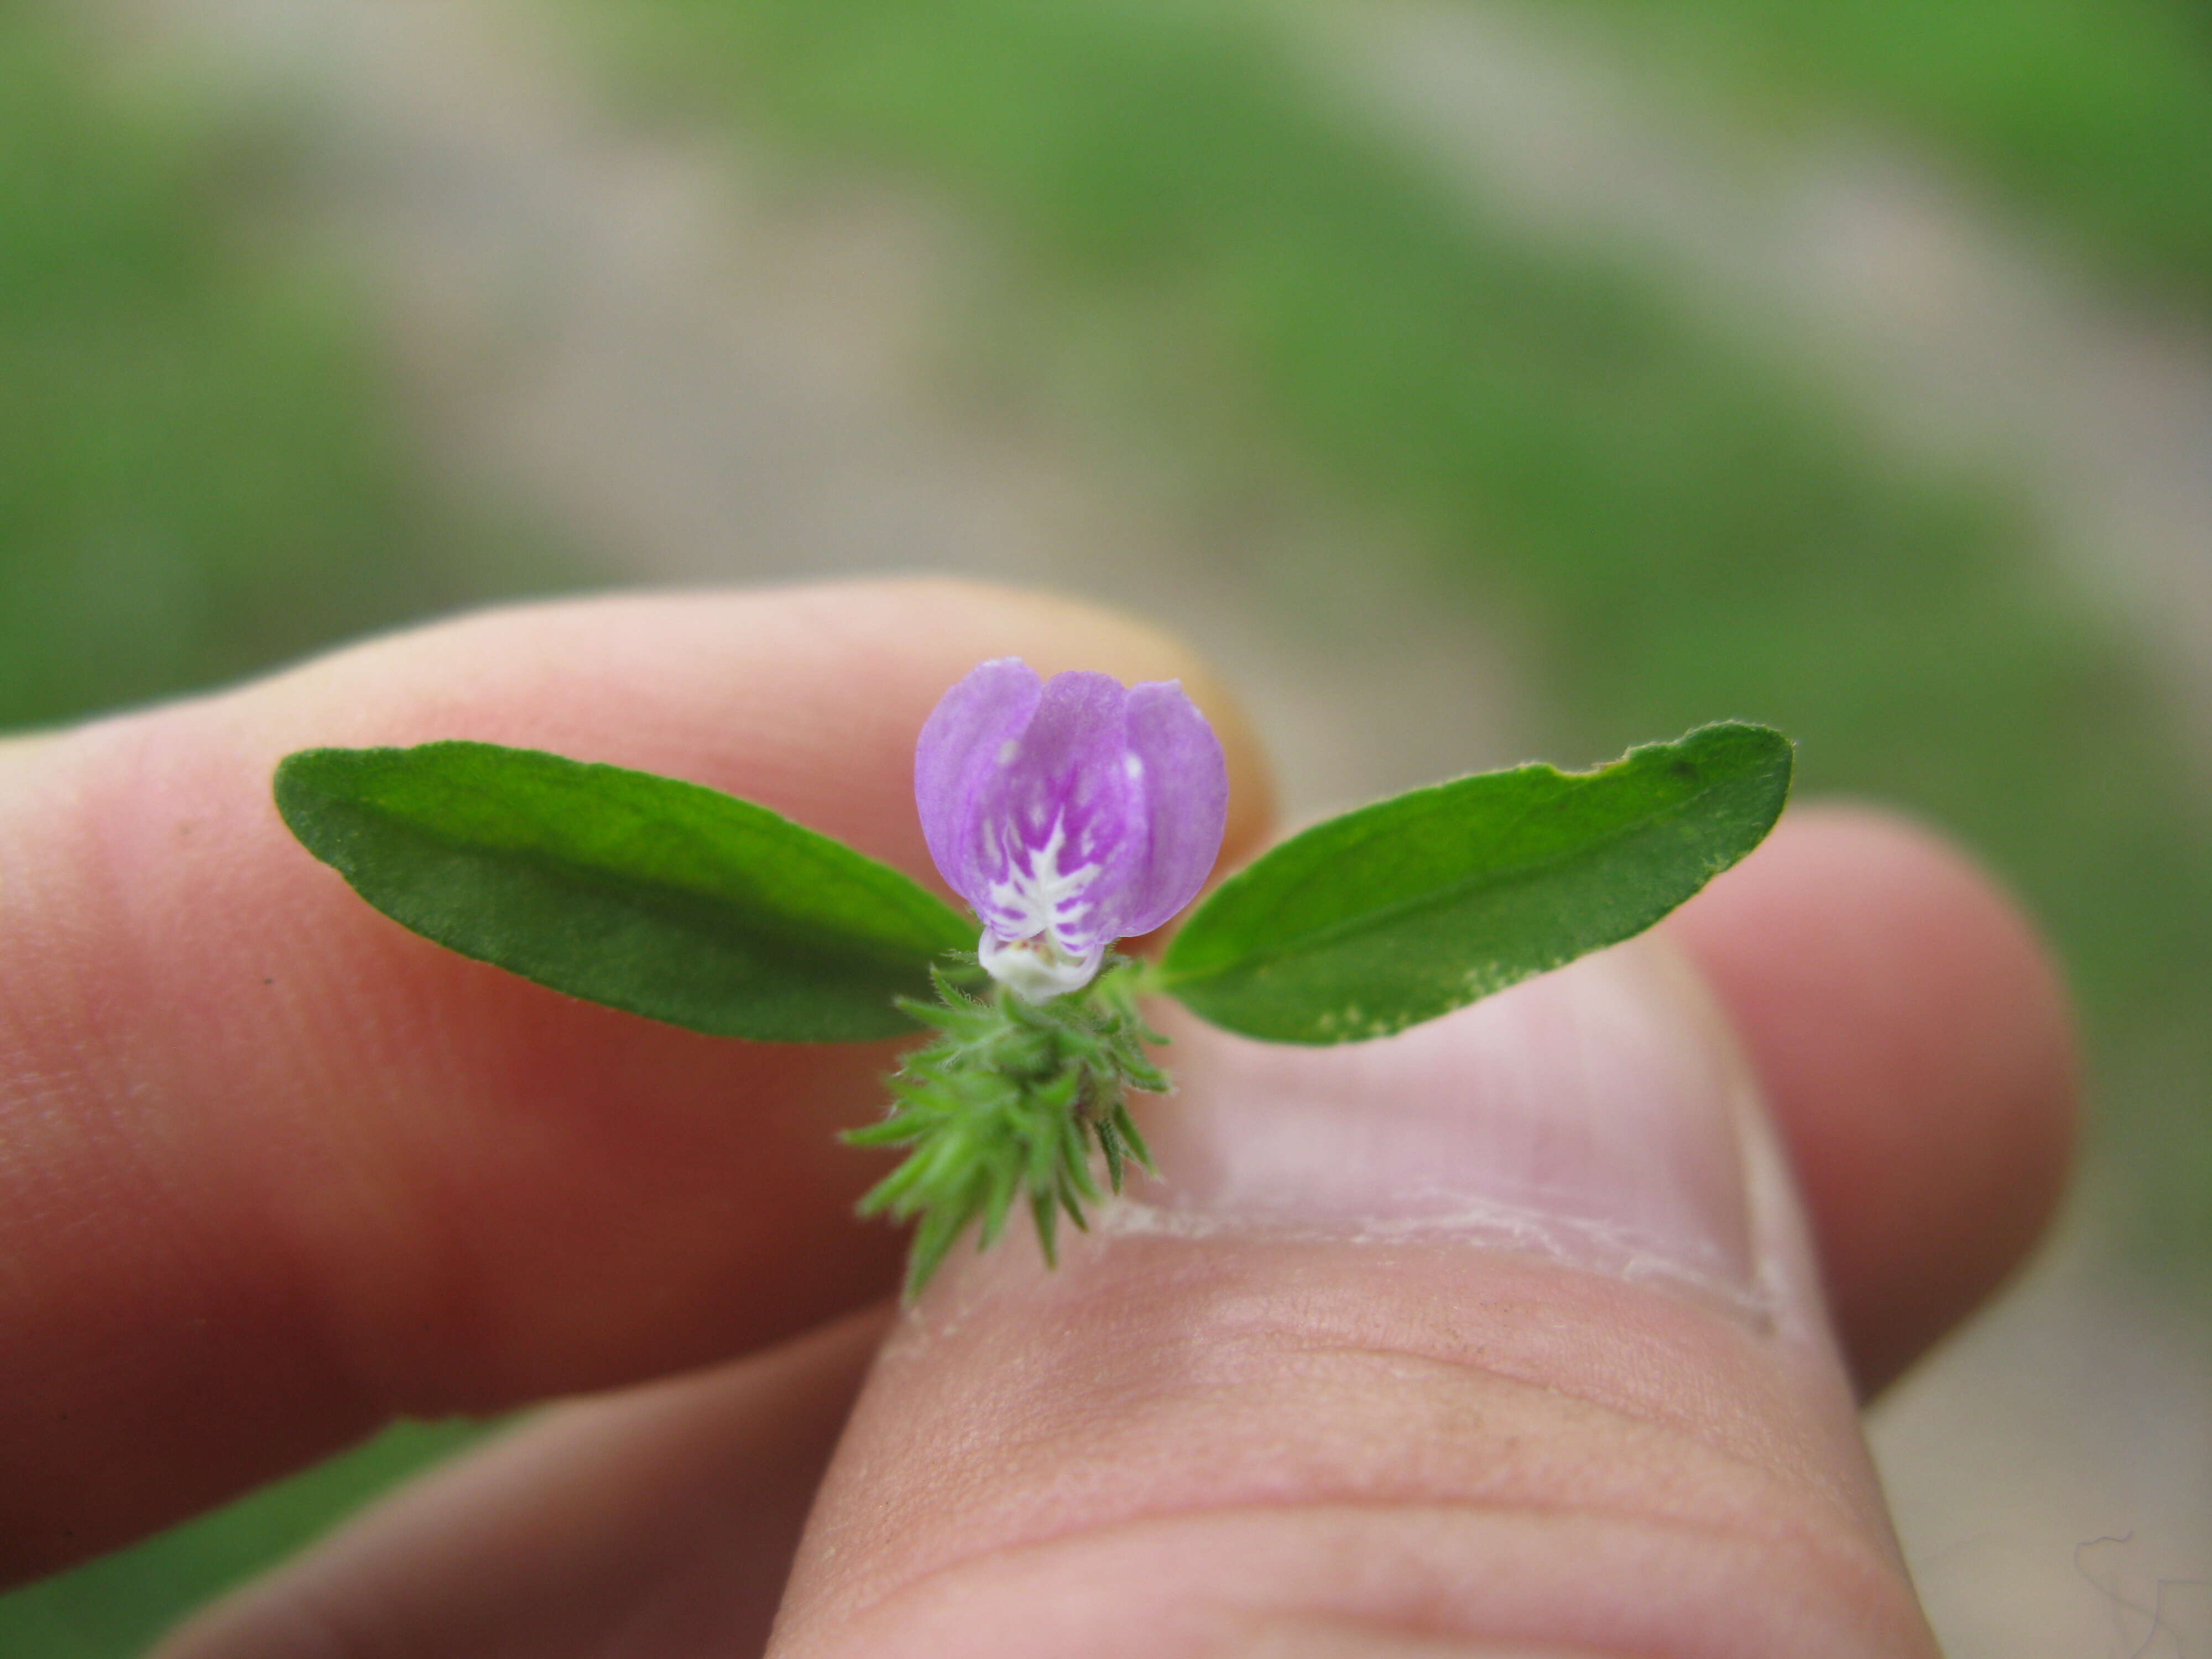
(117, 1604)
(200, 474)
(1686, 533)
(2096, 114)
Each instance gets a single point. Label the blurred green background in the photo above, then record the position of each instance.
(211, 460)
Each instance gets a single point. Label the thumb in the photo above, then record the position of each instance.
(1502, 1335)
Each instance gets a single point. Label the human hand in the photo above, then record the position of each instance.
(272, 1170)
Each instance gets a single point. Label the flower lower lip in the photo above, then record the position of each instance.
(1036, 967)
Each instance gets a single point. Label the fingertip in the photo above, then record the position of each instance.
(728, 689)
(1912, 1031)
(1410, 1334)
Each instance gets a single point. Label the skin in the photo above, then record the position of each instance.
(272, 1170)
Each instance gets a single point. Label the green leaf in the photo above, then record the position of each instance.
(645, 893)
(1414, 906)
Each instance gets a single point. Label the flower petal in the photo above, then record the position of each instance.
(1185, 783)
(1056, 824)
(963, 746)
(1069, 813)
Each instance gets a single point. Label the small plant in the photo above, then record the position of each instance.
(1069, 815)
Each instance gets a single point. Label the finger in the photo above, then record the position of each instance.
(400, 1596)
(1505, 1330)
(272, 1169)
(1911, 1036)
(659, 1521)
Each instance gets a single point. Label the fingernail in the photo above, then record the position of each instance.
(1601, 1113)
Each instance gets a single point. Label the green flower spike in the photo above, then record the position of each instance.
(1010, 1098)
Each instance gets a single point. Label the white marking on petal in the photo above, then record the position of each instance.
(1042, 895)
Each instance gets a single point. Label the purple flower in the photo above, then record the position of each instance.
(1069, 813)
